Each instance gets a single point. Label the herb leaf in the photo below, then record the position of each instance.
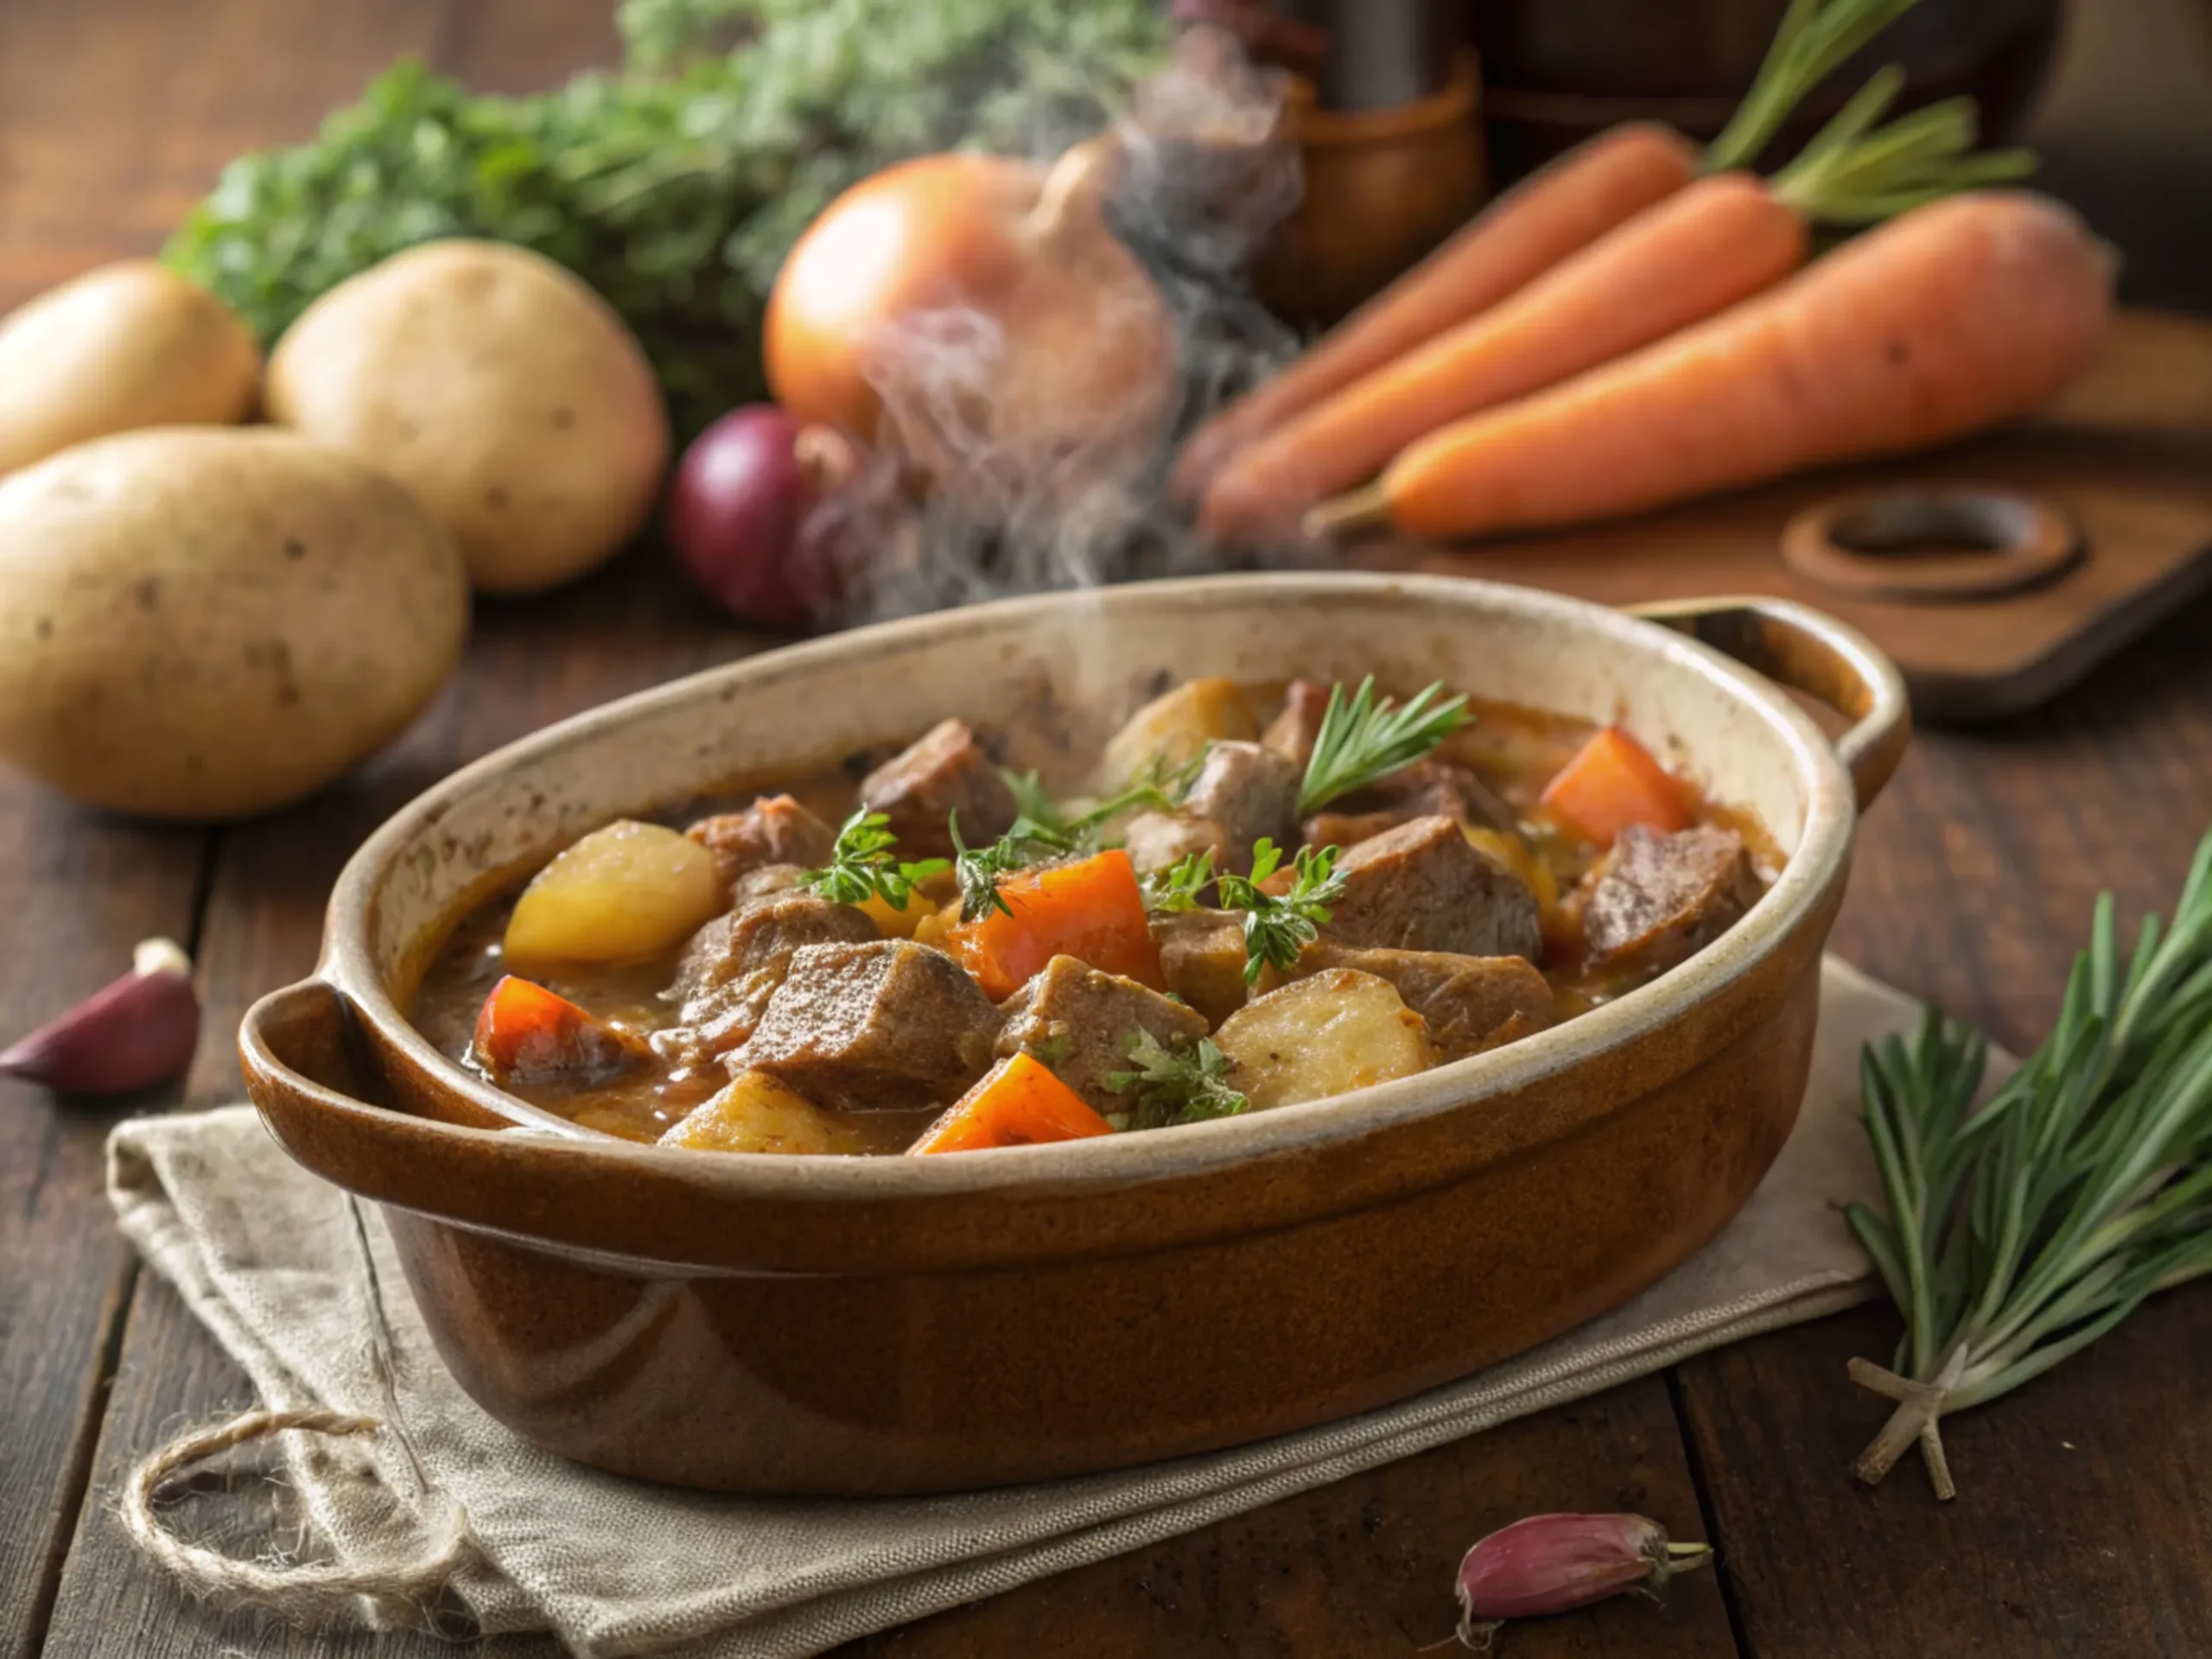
(1162, 787)
(1175, 1086)
(1364, 738)
(1032, 800)
(864, 864)
(2018, 1233)
(1026, 842)
(1277, 929)
(1177, 886)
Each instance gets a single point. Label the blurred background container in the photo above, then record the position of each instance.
(1556, 70)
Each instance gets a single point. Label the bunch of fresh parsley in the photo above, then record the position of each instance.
(675, 186)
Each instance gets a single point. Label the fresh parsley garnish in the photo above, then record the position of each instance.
(865, 864)
(979, 869)
(1162, 787)
(1032, 800)
(1364, 738)
(1277, 929)
(1173, 1086)
(1177, 886)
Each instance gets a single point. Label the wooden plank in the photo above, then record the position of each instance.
(124, 1608)
(530, 663)
(179, 90)
(1367, 1566)
(78, 889)
(2079, 1529)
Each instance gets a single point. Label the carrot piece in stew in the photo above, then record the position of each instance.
(1612, 782)
(1018, 1103)
(1092, 910)
(526, 1032)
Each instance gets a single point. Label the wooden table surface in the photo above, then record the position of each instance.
(2085, 1522)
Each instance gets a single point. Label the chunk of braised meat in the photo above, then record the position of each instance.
(1428, 788)
(1294, 731)
(1242, 792)
(774, 829)
(1421, 886)
(1657, 899)
(1202, 959)
(886, 1024)
(733, 966)
(1471, 1002)
(943, 771)
(768, 878)
(1080, 1021)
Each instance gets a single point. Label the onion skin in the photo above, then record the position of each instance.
(1076, 352)
(133, 1032)
(1554, 1563)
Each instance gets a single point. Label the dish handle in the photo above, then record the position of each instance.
(297, 1049)
(1796, 646)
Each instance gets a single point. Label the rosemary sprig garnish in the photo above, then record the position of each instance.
(1277, 929)
(1177, 886)
(1364, 738)
(1175, 1086)
(2021, 1232)
(865, 864)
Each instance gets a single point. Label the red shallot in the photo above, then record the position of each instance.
(738, 514)
(1554, 1563)
(133, 1032)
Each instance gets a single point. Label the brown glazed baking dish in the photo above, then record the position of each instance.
(780, 1323)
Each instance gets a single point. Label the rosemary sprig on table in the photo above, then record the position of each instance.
(865, 864)
(1362, 738)
(1277, 929)
(2021, 1232)
(1174, 1086)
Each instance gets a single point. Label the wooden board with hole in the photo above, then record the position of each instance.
(2125, 458)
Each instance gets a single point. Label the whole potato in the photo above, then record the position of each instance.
(124, 347)
(205, 622)
(499, 389)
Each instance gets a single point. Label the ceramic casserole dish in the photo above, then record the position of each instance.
(818, 1325)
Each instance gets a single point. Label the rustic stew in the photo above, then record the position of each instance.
(1249, 898)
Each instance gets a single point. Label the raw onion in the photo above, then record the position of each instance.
(975, 313)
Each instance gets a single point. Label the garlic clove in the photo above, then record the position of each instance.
(1554, 1563)
(132, 1033)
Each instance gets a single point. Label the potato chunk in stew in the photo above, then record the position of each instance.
(755, 1114)
(1340, 1029)
(1175, 728)
(620, 894)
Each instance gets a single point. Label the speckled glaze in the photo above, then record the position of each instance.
(760, 1323)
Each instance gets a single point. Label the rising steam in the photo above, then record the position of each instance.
(1066, 494)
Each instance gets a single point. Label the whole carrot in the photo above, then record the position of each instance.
(1553, 213)
(1542, 220)
(1725, 238)
(1951, 318)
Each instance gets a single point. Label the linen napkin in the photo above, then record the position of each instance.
(270, 1258)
